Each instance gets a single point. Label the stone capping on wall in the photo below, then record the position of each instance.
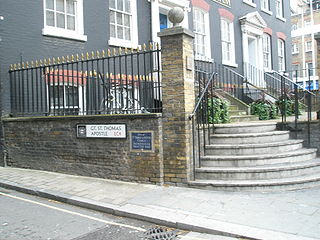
(82, 117)
(175, 31)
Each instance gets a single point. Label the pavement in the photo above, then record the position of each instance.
(256, 215)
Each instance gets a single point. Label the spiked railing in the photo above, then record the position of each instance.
(102, 82)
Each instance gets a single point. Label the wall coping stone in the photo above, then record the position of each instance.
(89, 117)
(175, 31)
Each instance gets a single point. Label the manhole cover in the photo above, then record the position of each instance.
(160, 234)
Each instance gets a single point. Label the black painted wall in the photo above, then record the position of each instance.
(22, 38)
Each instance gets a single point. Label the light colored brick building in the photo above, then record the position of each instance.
(305, 24)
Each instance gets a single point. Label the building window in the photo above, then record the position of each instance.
(123, 23)
(267, 51)
(201, 30)
(163, 21)
(295, 71)
(294, 27)
(265, 5)
(64, 18)
(310, 70)
(308, 46)
(281, 56)
(250, 2)
(295, 48)
(227, 39)
(279, 8)
(316, 85)
(307, 23)
(64, 99)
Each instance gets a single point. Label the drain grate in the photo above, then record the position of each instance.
(157, 233)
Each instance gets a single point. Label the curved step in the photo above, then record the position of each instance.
(261, 185)
(252, 149)
(253, 127)
(244, 138)
(259, 172)
(244, 118)
(258, 160)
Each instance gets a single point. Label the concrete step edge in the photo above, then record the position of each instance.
(303, 151)
(256, 169)
(257, 183)
(254, 145)
(245, 124)
(236, 135)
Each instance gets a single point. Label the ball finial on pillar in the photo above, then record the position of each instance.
(176, 16)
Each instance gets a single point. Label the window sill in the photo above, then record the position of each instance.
(295, 53)
(230, 64)
(203, 58)
(250, 3)
(62, 33)
(266, 11)
(281, 18)
(122, 43)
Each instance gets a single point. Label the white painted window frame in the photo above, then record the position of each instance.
(77, 34)
(265, 7)
(133, 43)
(295, 48)
(279, 10)
(281, 55)
(308, 46)
(207, 40)
(267, 51)
(232, 61)
(250, 3)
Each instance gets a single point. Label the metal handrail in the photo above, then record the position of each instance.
(238, 74)
(202, 95)
(292, 82)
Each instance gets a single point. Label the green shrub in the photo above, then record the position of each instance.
(264, 109)
(218, 110)
(288, 106)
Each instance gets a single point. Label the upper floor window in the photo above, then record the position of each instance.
(265, 5)
(202, 35)
(295, 48)
(295, 71)
(279, 8)
(310, 70)
(64, 18)
(307, 23)
(281, 55)
(294, 26)
(308, 46)
(250, 2)
(267, 51)
(123, 23)
(227, 39)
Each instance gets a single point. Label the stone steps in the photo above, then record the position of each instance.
(259, 159)
(305, 181)
(247, 127)
(254, 148)
(259, 172)
(255, 156)
(248, 138)
(243, 118)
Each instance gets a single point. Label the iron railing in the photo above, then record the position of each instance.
(202, 126)
(114, 82)
(292, 98)
(226, 79)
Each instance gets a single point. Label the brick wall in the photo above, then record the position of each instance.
(51, 144)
